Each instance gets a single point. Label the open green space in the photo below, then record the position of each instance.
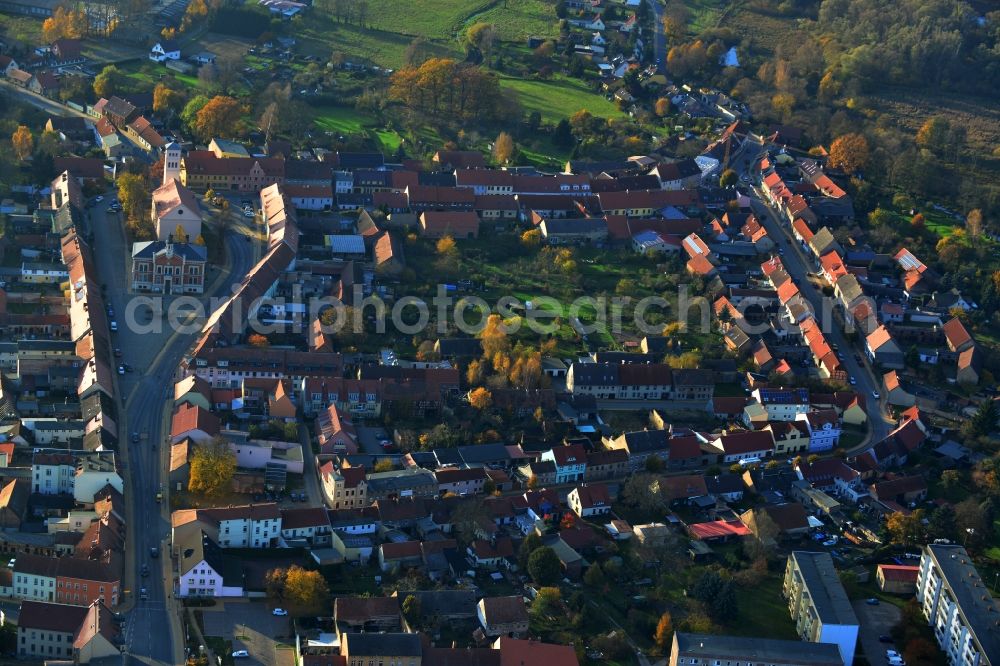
(321, 36)
(21, 29)
(348, 120)
(145, 74)
(559, 97)
(520, 19)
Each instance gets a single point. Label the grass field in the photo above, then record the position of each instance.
(20, 28)
(433, 20)
(347, 120)
(559, 98)
(145, 74)
(520, 19)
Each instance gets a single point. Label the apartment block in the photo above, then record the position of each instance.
(818, 603)
(959, 607)
(712, 650)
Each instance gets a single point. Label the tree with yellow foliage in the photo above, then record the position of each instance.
(24, 142)
(446, 246)
(503, 148)
(306, 590)
(212, 468)
(64, 24)
(481, 398)
(494, 337)
(531, 238)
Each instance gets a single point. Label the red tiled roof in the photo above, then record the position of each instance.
(899, 572)
(718, 528)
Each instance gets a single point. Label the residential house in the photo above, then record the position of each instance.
(502, 616)
(204, 570)
(824, 429)
(457, 224)
(77, 634)
(344, 488)
(902, 490)
(589, 500)
(165, 49)
(570, 462)
(883, 350)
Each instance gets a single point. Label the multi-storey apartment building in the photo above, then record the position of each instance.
(709, 650)
(818, 603)
(958, 606)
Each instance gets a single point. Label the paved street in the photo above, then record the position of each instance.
(150, 625)
(798, 265)
(659, 36)
(38, 101)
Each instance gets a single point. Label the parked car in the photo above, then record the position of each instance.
(280, 612)
(145, 570)
(871, 601)
(135, 438)
(154, 552)
(121, 369)
(875, 395)
(114, 326)
(852, 380)
(241, 654)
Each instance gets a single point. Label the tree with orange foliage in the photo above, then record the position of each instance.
(664, 631)
(220, 117)
(257, 340)
(24, 142)
(849, 152)
(481, 398)
(662, 107)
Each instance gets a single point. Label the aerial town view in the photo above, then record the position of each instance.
(500, 332)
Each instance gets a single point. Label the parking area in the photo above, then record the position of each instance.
(875, 621)
(253, 628)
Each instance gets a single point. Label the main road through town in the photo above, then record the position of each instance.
(151, 627)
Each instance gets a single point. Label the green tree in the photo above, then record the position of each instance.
(984, 421)
(109, 82)
(530, 544)
(544, 566)
(595, 576)
(728, 178)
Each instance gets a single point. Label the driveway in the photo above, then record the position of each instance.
(251, 627)
(875, 621)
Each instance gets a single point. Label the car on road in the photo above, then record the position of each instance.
(118, 352)
(159, 497)
(871, 601)
(240, 654)
(145, 570)
(895, 661)
(143, 594)
(889, 654)
(114, 326)
(121, 369)
(875, 395)
(154, 552)
(280, 612)
(135, 438)
(248, 213)
(852, 380)
(98, 198)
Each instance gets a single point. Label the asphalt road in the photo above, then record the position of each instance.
(798, 265)
(38, 101)
(659, 36)
(145, 395)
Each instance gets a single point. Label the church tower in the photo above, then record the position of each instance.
(171, 162)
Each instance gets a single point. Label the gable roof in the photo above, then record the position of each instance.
(956, 334)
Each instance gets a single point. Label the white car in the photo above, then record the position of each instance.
(240, 654)
(248, 213)
(875, 394)
(281, 612)
(98, 198)
(852, 380)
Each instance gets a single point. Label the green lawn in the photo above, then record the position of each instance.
(20, 28)
(348, 120)
(432, 19)
(763, 611)
(320, 36)
(559, 98)
(520, 19)
(145, 74)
